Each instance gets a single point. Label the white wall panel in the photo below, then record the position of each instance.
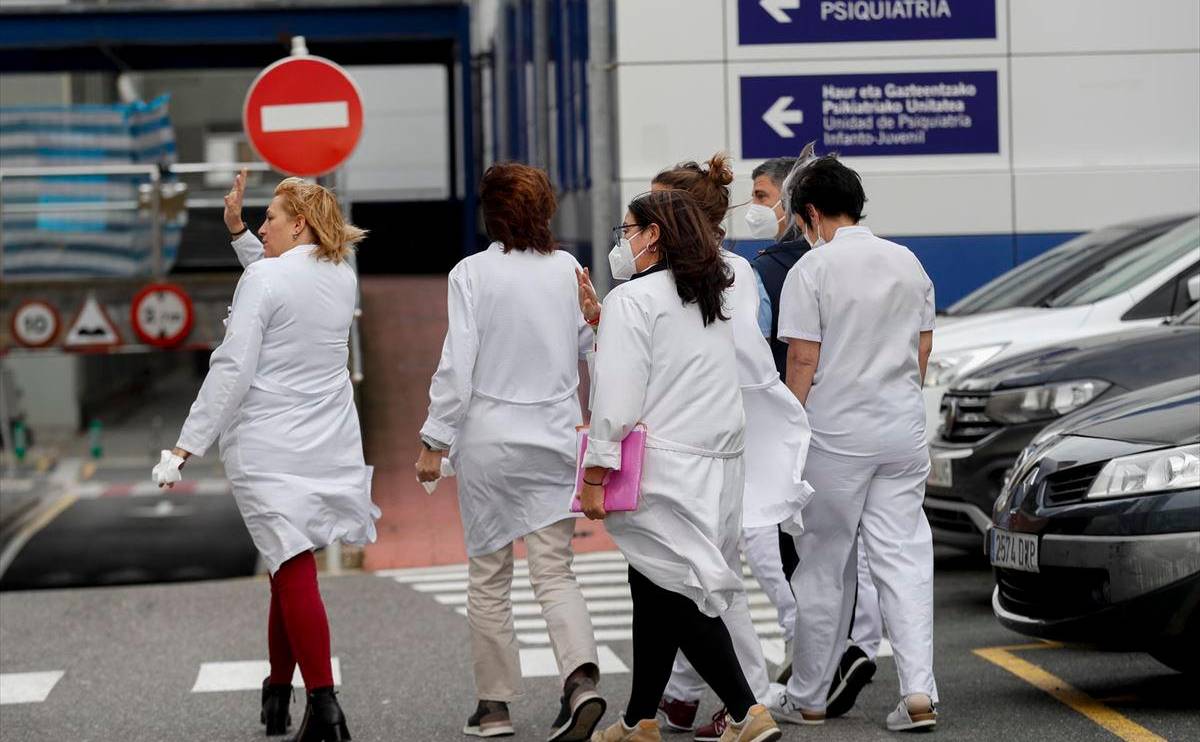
(1136, 109)
(668, 113)
(1056, 26)
(669, 31)
(1086, 199)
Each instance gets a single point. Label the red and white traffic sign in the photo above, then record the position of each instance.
(35, 323)
(303, 115)
(162, 315)
(92, 328)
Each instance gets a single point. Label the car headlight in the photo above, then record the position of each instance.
(1043, 402)
(944, 368)
(1153, 471)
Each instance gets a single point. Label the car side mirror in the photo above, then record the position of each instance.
(1193, 288)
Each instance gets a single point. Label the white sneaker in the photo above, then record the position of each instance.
(913, 713)
(783, 708)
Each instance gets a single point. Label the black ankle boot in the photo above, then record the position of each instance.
(323, 719)
(276, 697)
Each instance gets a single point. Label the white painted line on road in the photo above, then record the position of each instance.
(885, 648)
(539, 663)
(219, 677)
(27, 687)
(601, 635)
(525, 596)
(306, 116)
(522, 583)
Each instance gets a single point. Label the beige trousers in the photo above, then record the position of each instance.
(489, 611)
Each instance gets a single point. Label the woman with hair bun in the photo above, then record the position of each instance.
(279, 397)
(777, 435)
(665, 359)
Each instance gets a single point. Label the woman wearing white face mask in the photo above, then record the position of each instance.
(665, 358)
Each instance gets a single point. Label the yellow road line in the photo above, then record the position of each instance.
(1058, 688)
(30, 529)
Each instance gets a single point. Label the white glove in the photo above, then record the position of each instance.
(166, 471)
(447, 471)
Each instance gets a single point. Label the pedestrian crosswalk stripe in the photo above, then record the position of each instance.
(540, 663)
(217, 677)
(604, 581)
(27, 687)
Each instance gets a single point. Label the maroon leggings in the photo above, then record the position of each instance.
(298, 630)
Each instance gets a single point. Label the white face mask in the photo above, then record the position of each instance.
(819, 239)
(621, 261)
(762, 221)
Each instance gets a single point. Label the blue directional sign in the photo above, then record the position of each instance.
(822, 21)
(889, 113)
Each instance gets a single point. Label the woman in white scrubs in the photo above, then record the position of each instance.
(504, 406)
(278, 395)
(777, 435)
(858, 314)
(665, 358)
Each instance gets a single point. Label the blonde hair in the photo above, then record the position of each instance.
(336, 237)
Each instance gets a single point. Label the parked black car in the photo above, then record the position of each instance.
(991, 415)
(1037, 281)
(1096, 537)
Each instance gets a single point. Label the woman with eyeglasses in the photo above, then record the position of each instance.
(504, 406)
(665, 359)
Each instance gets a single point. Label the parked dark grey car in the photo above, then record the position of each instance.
(1037, 281)
(1096, 536)
(990, 416)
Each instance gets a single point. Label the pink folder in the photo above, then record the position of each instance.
(622, 487)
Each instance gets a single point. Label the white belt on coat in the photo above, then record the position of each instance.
(535, 403)
(274, 387)
(662, 444)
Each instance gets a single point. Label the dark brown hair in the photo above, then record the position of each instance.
(518, 204)
(708, 185)
(689, 248)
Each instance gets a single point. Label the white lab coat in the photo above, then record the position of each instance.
(278, 395)
(658, 364)
(504, 397)
(777, 430)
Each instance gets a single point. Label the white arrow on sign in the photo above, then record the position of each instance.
(778, 117)
(776, 9)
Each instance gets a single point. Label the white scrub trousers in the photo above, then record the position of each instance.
(761, 546)
(882, 503)
(867, 632)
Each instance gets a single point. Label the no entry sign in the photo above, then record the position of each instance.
(303, 115)
(162, 315)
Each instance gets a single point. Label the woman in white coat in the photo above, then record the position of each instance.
(665, 358)
(777, 435)
(278, 395)
(504, 406)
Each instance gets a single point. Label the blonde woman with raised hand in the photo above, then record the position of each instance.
(279, 399)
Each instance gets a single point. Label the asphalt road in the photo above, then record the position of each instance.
(131, 662)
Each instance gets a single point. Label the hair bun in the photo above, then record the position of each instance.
(719, 170)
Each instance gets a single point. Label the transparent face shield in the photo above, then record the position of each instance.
(807, 155)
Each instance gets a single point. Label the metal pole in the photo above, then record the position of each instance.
(156, 225)
(541, 84)
(601, 147)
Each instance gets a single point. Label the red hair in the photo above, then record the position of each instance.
(518, 204)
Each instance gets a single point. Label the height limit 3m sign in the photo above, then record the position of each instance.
(303, 115)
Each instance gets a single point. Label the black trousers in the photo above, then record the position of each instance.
(665, 622)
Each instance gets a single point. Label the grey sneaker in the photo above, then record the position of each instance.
(914, 713)
(581, 710)
(490, 719)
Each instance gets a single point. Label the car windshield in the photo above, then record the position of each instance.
(1028, 282)
(1133, 267)
(1189, 317)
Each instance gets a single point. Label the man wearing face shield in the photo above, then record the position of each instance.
(858, 314)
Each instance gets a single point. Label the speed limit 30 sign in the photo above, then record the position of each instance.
(35, 324)
(162, 315)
